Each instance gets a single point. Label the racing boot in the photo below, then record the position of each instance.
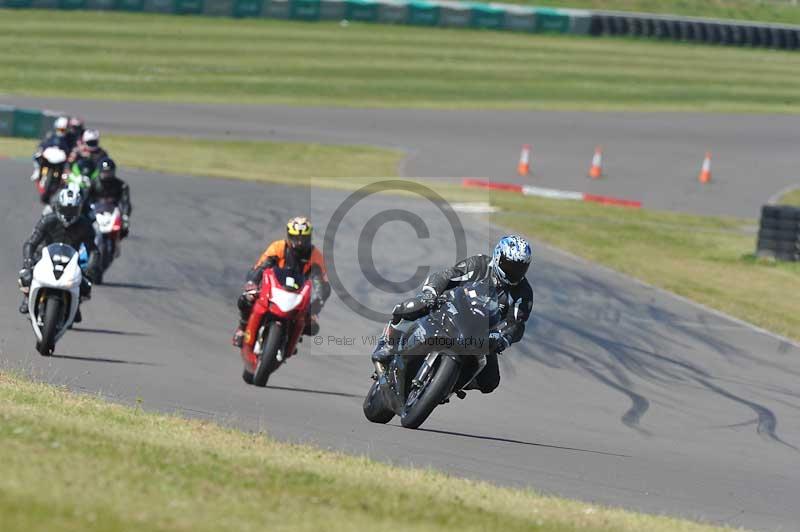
(23, 307)
(384, 350)
(78, 316)
(312, 326)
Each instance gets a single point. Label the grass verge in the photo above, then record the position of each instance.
(201, 59)
(707, 259)
(276, 162)
(791, 198)
(73, 462)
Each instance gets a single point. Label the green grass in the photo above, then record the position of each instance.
(762, 10)
(706, 259)
(73, 462)
(276, 162)
(791, 198)
(202, 59)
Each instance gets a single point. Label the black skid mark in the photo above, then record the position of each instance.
(639, 404)
(767, 423)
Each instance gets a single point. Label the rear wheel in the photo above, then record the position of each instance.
(422, 400)
(52, 317)
(374, 408)
(268, 358)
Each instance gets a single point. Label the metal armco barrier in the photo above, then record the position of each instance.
(699, 30)
(462, 14)
(779, 233)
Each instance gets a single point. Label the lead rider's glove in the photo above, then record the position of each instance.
(250, 291)
(25, 278)
(428, 298)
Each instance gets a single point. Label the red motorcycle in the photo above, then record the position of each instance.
(276, 323)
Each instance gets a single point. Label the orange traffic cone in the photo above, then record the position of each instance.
(705, 171)
(524, 166)
(596, 170)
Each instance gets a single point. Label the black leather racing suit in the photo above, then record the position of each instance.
(49, 230)
(516, 304)
(115, 190)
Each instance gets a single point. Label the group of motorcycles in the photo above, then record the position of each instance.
(437, 356)
(54, 293)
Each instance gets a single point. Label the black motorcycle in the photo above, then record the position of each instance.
(437, 356)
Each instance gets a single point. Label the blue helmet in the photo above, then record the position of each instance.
(511, 258)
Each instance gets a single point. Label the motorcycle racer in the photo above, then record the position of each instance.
(67, 225)
(75, 130)
(295, 251)
(57, 138)
(88, 149)
(108, 186)
(507, 267)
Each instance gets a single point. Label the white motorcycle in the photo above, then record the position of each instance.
(48, 168)
(108, 227)
(54, 295)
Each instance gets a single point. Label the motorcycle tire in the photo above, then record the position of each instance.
(52, 315)
(247, 377)
(440, 385)
(108, 253)
(268, 359)
(374, 408)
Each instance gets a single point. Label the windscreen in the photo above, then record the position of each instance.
(289, 278)
(477, 306)
(60, 253)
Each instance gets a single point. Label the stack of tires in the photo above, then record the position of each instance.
(779, 233)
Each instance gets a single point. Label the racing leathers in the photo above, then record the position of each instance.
(83, 153)
(280, 254)
(515, 301)
(49, 229)
(117, 191)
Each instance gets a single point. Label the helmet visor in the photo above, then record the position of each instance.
(513, 270)
(68, 213)
(92, 144)
(300, 243)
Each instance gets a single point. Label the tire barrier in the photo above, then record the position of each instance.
(25, 123)
(779, 233)
(697, 30)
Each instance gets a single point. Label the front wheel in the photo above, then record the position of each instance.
(52, 316)
(375, 409)
(422, 400)
(108, 252)
(268, 358)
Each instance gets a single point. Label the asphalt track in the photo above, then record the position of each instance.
(652, 157)
(619, 394)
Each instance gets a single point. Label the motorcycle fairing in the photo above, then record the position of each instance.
(56, 270)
